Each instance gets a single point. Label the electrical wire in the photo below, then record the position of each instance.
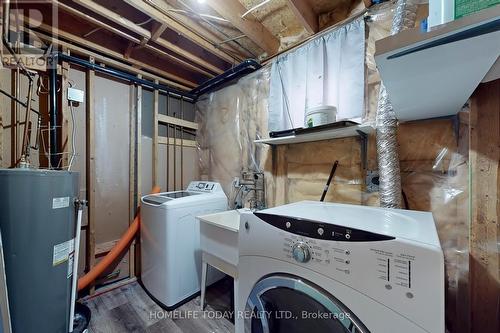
(214, 26)
(254, 8)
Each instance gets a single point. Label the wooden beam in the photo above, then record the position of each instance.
(90, 170)
(151, 10)
(256, 31)
(484, 155)
(177, 121)
(304, 12)
(127, 24)
(177, 142)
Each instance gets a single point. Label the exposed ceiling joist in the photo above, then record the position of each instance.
(114, 17)
(305, 14)
(104, 50)
(185, 17)
(134, 43)
(156, 14)
(95, 21)
(256, 31)
(127, 24)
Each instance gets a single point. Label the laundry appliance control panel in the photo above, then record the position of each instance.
(204, 186)
(380, 262)
(353, 256)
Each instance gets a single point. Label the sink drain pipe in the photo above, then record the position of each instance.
(387, 123)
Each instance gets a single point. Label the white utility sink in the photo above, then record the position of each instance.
(219, 235)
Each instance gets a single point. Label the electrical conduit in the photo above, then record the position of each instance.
(122, 244)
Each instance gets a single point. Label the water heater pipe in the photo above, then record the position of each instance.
(122, 244)
(76, 253)
(55, 157)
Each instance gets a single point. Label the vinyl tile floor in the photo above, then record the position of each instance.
(129, 309)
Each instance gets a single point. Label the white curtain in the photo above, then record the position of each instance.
(328, 70)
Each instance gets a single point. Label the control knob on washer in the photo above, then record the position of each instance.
(301, 252)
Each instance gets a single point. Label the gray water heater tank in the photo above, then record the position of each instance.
(37, 220)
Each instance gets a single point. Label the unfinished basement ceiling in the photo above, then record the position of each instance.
(184, 41)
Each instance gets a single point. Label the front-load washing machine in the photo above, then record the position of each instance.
(324, 267)
(170, 241)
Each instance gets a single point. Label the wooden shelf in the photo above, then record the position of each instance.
(337, 133)
(432, 74)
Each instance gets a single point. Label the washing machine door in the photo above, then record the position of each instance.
(289, 304)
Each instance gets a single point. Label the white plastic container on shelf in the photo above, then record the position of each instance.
(441, 11)
(320, 115)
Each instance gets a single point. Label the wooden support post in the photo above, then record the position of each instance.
(135, 141)
(138, 123)
(484, 157)
(90, 170)
(156, 98)
(133, 200)
(281, 173)
(66, 116)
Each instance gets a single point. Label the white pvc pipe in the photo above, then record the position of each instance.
(75, 267)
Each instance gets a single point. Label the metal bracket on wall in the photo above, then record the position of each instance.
(363, 137)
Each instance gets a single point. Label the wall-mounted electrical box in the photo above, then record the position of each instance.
(75, 95)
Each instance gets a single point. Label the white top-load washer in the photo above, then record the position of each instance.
(323, 267)
(170, 241)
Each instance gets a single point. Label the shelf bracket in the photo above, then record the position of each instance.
(363, 137)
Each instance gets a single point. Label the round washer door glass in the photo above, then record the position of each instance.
(289, 304)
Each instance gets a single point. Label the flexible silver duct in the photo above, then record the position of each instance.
(387, 123)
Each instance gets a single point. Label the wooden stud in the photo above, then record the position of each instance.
(138, 122)
(91, 171)
(484, 158)
(256, 31)
(156, 97)
(304, 12)
(132, 170)
(280, 170)
(134, 253)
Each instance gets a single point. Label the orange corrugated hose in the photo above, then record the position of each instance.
(112, 255)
